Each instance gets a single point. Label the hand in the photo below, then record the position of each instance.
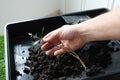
(67, 36)
(103, 27)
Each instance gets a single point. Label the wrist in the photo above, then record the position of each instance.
(86, 31)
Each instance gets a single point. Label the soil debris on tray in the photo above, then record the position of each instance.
(95, 55)
(18, 73)
(26, 70)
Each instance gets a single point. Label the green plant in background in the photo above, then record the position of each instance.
(2, 61)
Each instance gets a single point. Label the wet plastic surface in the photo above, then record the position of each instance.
(21, 53)
(18, 43)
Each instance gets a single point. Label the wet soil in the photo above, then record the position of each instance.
(95, 55)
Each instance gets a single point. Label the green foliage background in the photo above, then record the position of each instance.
(2, 60)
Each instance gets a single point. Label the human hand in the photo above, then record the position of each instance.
(103, 27)
(67, 36)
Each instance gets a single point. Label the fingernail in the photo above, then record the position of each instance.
(45, 39)
(55, 54)
(47, 53)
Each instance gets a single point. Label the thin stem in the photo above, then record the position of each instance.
(36, 36)
(71, 52)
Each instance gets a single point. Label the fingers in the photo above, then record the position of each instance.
(57, 50)
(43, 40)
(52, 36)
(51, 51)
(50, 39)
(46, 46)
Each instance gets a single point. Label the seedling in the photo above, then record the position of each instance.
(36, 37)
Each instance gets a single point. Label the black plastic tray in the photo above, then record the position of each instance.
(17, 41)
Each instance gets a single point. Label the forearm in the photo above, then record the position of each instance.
(103, 27)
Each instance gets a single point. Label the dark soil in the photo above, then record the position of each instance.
(26, 70)
(18, 73)
(95, 55)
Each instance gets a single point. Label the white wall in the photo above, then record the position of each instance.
(68, 6)
(17, 10)
(116, 3)
(92, 4)
(63, 6)
(73, 5)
